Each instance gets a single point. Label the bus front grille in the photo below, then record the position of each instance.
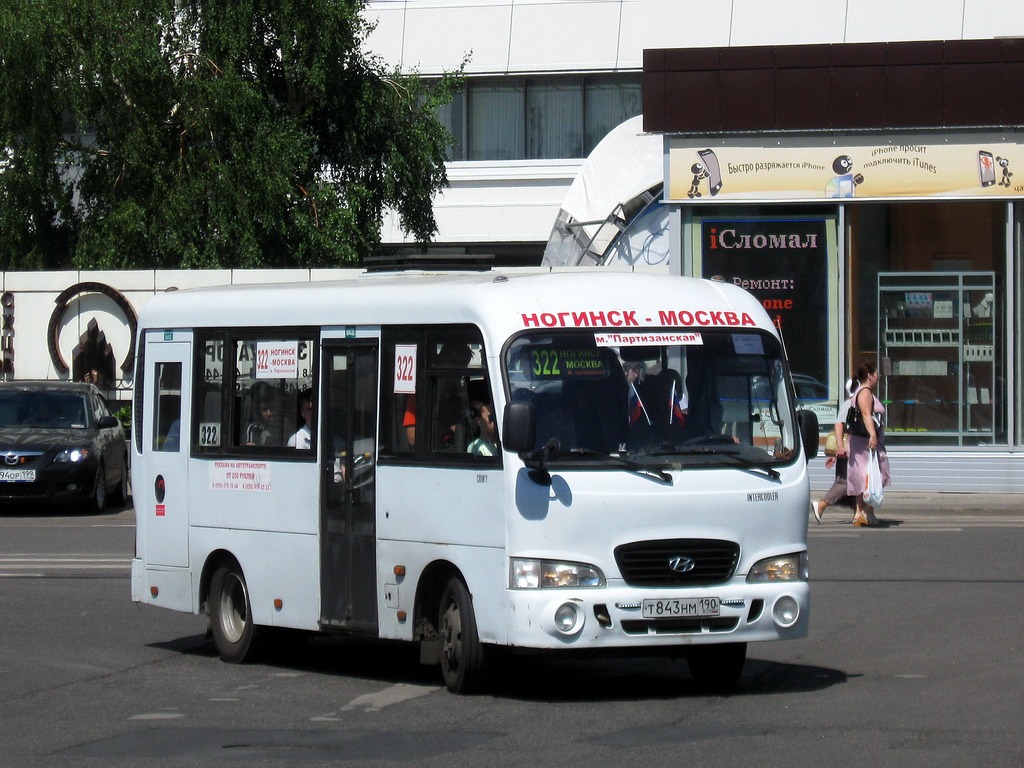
(677, 562)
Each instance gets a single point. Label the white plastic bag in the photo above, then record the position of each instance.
(873, 493)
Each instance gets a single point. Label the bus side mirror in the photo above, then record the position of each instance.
(808, 423)
(519, 427)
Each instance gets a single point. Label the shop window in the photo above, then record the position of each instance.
(928, 304)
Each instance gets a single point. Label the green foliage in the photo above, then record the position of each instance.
(124, 415)
(174, 133)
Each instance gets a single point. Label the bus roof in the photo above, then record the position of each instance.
(502, 303)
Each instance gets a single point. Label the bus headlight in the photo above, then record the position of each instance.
(550, 574)
(794, 567)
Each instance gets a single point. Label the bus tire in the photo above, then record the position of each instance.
(462, 655)
(716, 667)
(231, 624)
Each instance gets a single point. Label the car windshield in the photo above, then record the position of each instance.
(42, 409)
(700, 398)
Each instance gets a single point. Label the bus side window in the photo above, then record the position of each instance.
(450, 415)
(434, 422)
(167, 413)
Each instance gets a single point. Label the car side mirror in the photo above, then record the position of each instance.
(519, 427)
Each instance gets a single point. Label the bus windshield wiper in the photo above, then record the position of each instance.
(622, 461)
(707, 450)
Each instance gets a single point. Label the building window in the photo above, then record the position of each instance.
(539, 118)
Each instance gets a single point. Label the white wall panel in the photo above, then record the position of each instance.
(671, 24)
(500, 202)
(787, 22)
(993, 18)
(564, 36)
(437, 38)
(386, 40)
(888, 20)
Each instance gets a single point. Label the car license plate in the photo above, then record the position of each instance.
(680, 609)
(17, 475)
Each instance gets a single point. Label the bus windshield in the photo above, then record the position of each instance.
(668, 400)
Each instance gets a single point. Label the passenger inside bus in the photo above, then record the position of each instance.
(302, 439)
(266, 430)
(486, 441)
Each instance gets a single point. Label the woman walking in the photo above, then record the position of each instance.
(837, 493)
(866, 435)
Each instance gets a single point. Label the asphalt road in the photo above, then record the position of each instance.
(914, 659)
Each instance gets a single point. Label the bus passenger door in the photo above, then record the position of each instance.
(348, 443)
(160, 493)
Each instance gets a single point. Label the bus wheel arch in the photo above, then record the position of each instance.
(428, 599)
(445, 625)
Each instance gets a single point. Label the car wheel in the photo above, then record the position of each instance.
(119, 497)
(99, 491)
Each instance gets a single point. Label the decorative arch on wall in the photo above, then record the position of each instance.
(62, 301)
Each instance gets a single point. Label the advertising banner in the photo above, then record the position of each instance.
(815, 169)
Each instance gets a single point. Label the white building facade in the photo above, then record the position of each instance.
(547, 80)
(924, 279)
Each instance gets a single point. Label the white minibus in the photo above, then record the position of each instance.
(578, 461)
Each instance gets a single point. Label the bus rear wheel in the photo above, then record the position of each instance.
(234, 632)
(462, 655)
(716, 666)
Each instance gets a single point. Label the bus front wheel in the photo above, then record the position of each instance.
(234, 632)
(462, 654)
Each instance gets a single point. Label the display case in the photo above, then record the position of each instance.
(937, 357)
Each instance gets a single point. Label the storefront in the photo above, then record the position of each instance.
(868, 195)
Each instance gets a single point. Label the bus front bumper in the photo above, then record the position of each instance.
(614, 617)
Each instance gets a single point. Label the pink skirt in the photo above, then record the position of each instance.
(857, 470)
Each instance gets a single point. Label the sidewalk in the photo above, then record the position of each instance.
(913, 502)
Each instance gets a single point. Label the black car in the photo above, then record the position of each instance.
(60, 444)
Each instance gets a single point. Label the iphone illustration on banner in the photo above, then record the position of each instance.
(987, 168)
(710, 160)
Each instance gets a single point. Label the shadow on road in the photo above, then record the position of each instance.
(530, 678)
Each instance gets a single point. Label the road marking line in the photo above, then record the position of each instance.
(396, 694)
(157, 716)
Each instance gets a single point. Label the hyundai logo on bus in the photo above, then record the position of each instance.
(681, 564)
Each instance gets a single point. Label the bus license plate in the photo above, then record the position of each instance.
(17, 475)
(680, 609)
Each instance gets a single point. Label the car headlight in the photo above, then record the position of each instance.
(544, 574)
(72, 455)
(794, 567)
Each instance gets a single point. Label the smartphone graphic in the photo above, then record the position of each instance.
(987, 168)
(710, 160)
